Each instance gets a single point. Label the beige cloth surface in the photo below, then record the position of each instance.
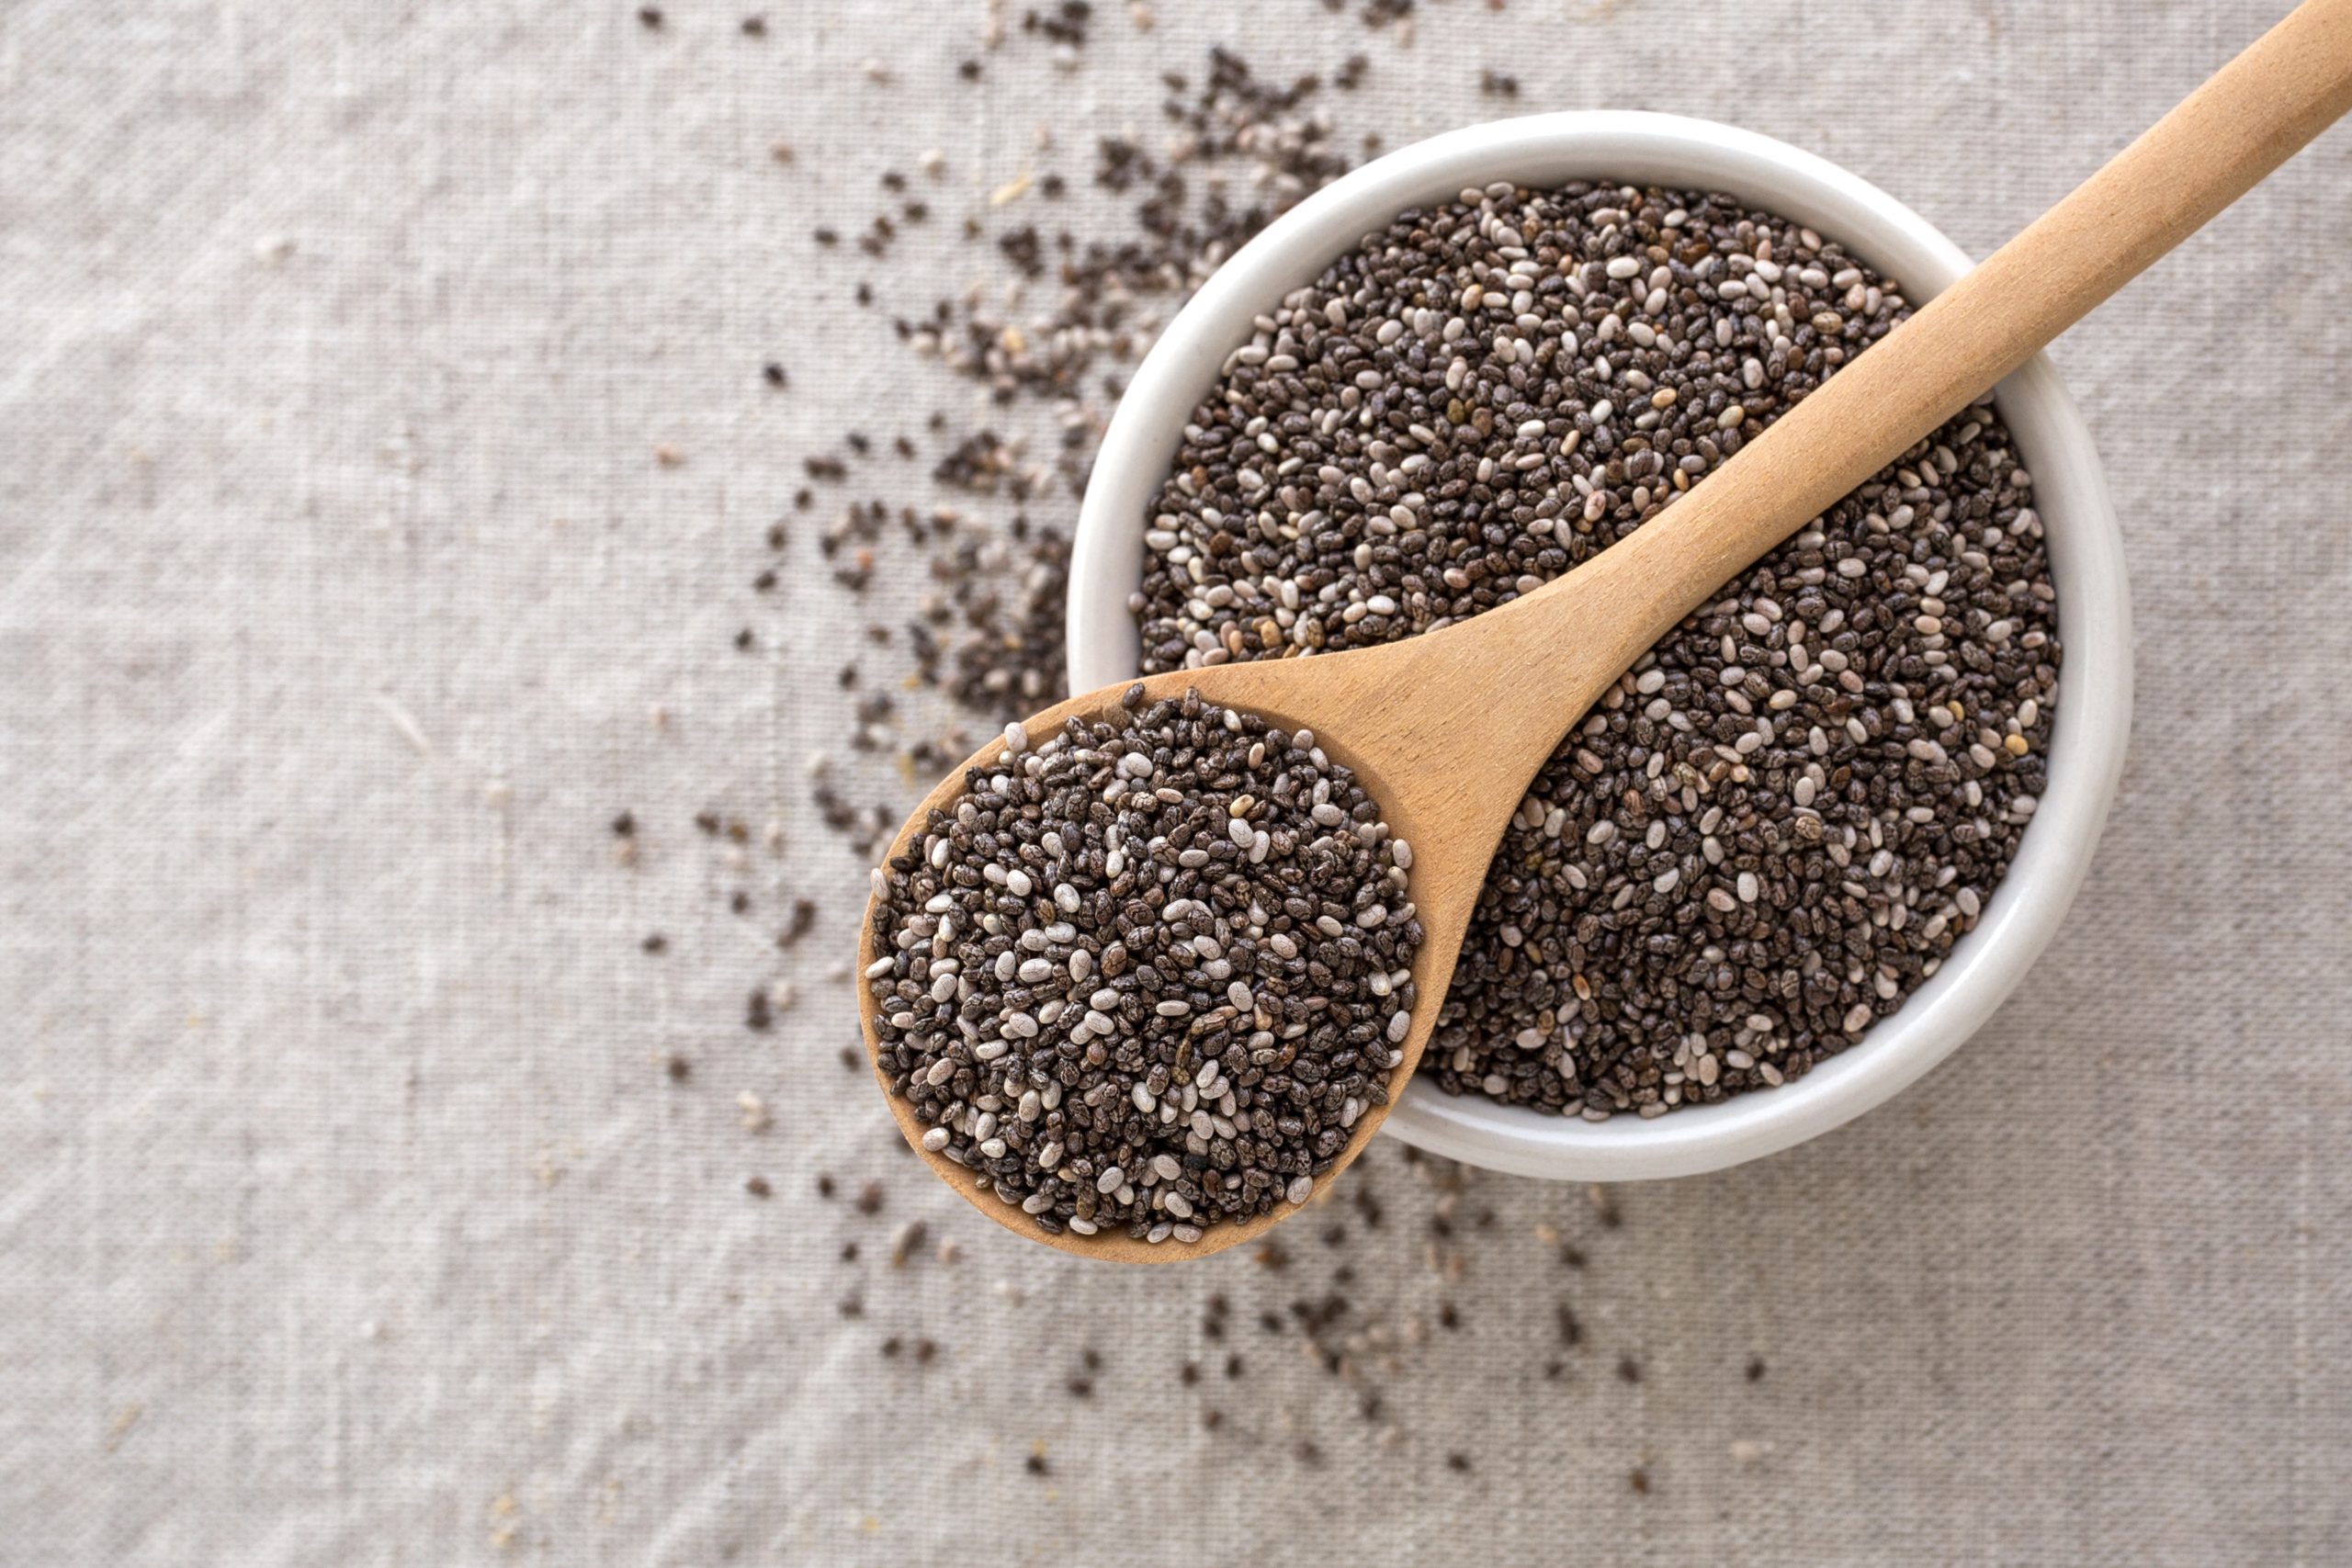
(348, 1214)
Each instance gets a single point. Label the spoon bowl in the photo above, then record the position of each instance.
(1383, 735)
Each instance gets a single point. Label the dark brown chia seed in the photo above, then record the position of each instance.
(1148, 974)
(1778, 822)
(994, 638)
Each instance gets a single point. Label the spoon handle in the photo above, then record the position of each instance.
(2246, 119)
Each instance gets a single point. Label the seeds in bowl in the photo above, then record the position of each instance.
(1147, 974)
(1778, 824)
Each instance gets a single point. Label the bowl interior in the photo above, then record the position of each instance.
(2093, 716)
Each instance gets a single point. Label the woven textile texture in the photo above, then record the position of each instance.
(351, 1208)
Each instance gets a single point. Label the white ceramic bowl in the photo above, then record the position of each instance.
(2087, 560)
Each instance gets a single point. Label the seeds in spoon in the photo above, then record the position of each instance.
(1145, 973)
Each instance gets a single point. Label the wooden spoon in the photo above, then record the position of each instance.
(1445, 731)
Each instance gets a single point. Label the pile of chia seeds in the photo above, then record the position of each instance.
(1777, 823)
(1150, 973)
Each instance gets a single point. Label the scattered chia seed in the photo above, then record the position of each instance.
(803, 916)
(992, 637)
(1237, 134)
(1777, 824)
(1379, 14)
(1066, 23)
(1006, 657)
(1147, 974)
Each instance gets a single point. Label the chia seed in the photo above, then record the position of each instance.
(1176, 941)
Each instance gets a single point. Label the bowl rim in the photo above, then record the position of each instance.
(2091, 725)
